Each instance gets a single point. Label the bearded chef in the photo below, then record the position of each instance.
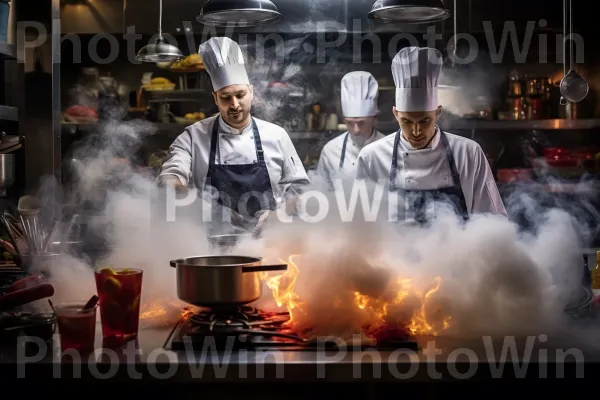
(426, 167)
(359, 93)
(236, 155)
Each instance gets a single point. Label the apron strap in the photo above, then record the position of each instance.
(215, 140)
(450, 158)
(260, 156)
(455, 176)
(394, 169)
(343, 156)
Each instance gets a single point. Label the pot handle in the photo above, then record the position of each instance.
(173, 264)
(261, 268)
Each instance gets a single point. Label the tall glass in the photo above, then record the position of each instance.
(76, 328)
(119, 291)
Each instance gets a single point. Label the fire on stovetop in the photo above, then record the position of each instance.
(400, 308)
(164, 312)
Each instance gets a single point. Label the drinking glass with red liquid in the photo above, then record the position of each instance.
(76, 327)
(119, 291)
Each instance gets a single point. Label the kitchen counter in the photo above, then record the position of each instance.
(440, 359)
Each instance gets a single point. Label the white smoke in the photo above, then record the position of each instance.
(496, 279)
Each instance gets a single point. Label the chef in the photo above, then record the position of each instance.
(425, 168)
(359, 93)
(251, 164)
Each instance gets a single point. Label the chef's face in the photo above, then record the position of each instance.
(235, 102)
(362, 127)
(418, 128)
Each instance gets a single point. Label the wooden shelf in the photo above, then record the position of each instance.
(176, 129)
(542, 124)
(8, 51)
(194, 95)
(450, 124)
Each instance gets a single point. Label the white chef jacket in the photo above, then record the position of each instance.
(189, 154)
(428, 168)
(329, 160)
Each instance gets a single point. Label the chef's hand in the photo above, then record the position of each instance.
(289, 207)
(262, 219)
(175, 183)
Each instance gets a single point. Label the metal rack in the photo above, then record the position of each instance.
(450, 124)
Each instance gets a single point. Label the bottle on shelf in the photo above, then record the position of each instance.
(596, 276)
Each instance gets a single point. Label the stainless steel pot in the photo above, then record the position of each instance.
(220, 281)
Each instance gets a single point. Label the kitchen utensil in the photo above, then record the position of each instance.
(230, 13)
(409, 12)
(228, 240)
(7, 172)
(13, 325)
(573, 87)
(15, 236)
(213, 281)
(160, 50)
(25, 283)
(24, 296)
(28, 208)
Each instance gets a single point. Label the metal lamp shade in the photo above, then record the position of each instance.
(409, 11)
(225, 13)
(160, 51)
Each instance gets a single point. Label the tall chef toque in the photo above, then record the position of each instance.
(224, 62)
(359, 95)
(416, 72)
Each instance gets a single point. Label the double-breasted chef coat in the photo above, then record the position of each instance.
(261, 150)
(338, 156)
(429, 169)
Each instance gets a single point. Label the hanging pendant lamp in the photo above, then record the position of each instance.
(160, 50)
(230, 13)
(409, 11)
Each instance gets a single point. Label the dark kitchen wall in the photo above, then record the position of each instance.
(503, 36)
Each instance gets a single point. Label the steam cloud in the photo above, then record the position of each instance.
(495, 279)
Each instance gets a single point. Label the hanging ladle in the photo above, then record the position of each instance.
(573, 87)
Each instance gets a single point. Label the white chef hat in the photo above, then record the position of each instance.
(416, 72)
(359, 94)
(224, 62)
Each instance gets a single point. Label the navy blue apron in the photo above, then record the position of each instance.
(343, 156)
(234, 183)
(419, 199)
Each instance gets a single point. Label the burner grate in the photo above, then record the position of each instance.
(242, 317)
(246, 327)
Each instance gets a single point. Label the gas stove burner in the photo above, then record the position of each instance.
(232, 318)
(246, 327)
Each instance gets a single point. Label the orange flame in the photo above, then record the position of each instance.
(163, 311)
(404, 305)
(283, 286)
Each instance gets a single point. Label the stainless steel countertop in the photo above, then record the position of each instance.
(439, 358)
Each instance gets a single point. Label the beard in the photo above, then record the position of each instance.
(236, 118)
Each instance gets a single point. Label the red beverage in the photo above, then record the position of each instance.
(77, 328)
(119, 291)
